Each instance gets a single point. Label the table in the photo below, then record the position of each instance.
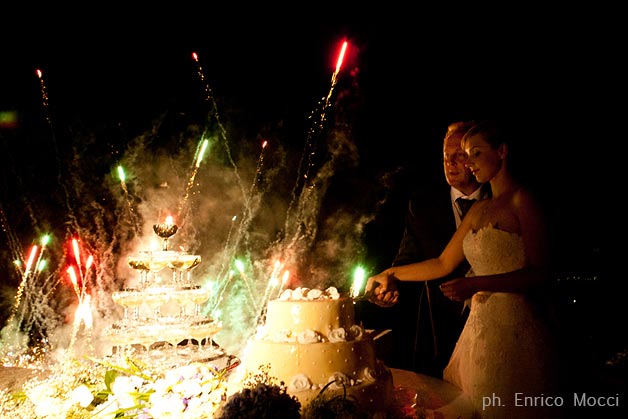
(436, 398)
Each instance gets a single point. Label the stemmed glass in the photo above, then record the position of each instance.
(175, 266)
(184, 263)
(181, 299)
(155, 264)
(128, 298)
(199, 296)
(155, 300)
(140, 263)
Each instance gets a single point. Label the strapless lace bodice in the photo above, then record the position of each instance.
(494, 251)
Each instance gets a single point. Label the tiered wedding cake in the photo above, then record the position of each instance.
(310, 340)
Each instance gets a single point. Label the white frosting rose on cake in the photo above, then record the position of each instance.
(332, 292)
(309, 294)
(339, 380)
(309, 336)
(356, 332)
(314, 294)
(299, 382)
(370, 374)
(283, 335)
(337, 335)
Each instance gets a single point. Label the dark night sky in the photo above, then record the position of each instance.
(551, 72)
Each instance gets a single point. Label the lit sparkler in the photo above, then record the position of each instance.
(272, 282)
(358, 281)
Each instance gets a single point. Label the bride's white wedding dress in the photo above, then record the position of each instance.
(506, 351)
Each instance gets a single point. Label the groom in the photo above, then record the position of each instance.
(429, 323)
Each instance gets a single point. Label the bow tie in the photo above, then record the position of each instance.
(464, 204)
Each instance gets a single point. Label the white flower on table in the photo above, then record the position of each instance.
(81, 396)
(124, 389)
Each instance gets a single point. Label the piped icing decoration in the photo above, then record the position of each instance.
(370, 374)
(309, 336)
(299, 382)
(356, 332)
(283, 335)
(309, 294)
(339, 380)
(338, 335)
(314, 294)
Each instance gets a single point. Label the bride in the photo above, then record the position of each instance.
(504, 359)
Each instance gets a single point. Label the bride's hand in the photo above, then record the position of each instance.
(458, 289)
(385, 294)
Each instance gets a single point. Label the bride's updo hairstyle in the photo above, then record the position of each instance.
(496, 133)
(490, 131)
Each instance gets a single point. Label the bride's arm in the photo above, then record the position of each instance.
(426, 270)
(518, 281)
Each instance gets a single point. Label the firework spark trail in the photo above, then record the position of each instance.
(225, 251)
(258, 172)
(223, 278)
(221, 288)
(199, 70)
(134, 217)
(230, 250)
(46, 109)
(237, 236)
(122, 177)
(198, 158)
(37, 268)
(300, 228)
(284, 282)
(272, 282)
(248, 210)
(44, 96)
(240, 266)
(309, 149)
(82, 315)
(13, 243)
(213, 112)
(46, 106)
(20, 290)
